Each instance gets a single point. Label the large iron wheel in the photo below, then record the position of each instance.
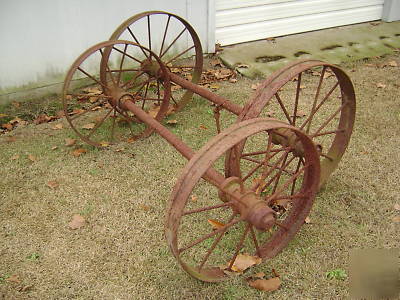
(206, 228)
(175, 42)
(317, 98)
(91, 98)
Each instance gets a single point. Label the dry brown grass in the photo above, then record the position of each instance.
(121, 252)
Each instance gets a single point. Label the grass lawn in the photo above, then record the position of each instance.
(122, 191)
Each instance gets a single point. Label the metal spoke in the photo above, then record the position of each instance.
(91, 77)
(239, 246)
(283, 108)
(113, 125)
(179, 35)
(319, 105)
(254, 237)
(86, 111)
(180, 54)
(130, 56)
(148, 30)
(330, 119)
(165, 34)
(108, 68)
(136, 40)
(207, 236)
(120, 65)
(296, 101)
(99, 123)
(216, 241)
(316, 97)
(207, 208)
(328, 132)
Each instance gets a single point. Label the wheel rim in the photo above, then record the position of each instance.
(142, 28)
(194, 203)
(97, 119)
(319, 87)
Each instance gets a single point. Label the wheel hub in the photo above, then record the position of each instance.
(246, 202)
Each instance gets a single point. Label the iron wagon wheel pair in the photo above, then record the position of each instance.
(275, 161)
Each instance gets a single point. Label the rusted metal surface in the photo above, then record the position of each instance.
(343, 109)
(241, 202)
(126, 31)
(272, 169)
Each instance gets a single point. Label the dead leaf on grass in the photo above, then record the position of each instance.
(3, 115)
(54, 148)
(216, 62)
(145, 207)
(172, 122)
(299, 114)
(16, 104)
(214, 86)
(153, 111)
(58, 126)
(88, 126)
(32, 158)
(307, 220)
(25, 288)
(202, 127)
(194, 198)
(14, 157)
(77, 222)
(52, 184)
(14, 279)
(381, 85)
(245, 261)
(215, 224)
(259, 275)
(78, 152)
(104, 144)
(42, 118)
(396, 206)
(11, 139)
(396, 219)
(7, 126)
(131, 140)
(266, 285)
(69, 142)
(393, 63)
(255, 86)
(233, 80)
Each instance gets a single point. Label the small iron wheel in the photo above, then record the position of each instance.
(175, 42)
(91, 98)
(317, 98)
(210, 224)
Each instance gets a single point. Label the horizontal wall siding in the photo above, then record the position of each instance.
(241, 24)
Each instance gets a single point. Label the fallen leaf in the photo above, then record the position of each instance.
(381, 85)
(16, 104)
(194, 198)
(393, 63)
(172, 122)
(3, 115)
(104, 144)
(370, 65)
(13, 278)
(119, 150)
(88, 126)
(214, 86)
(218, 48)
(69, 142)
(25, 288)
(255, 86)
(216, 62)
(96, 108)
(299, 114)
(52, 184)
(11, 139)
(233, 80)
(202, 127)
(259, 275)
(154, 111)
(131, 140)
(32, 158)
(7, 126)
(307, 220)
(245, 261)
(215, 224)
(396, 206)
(396, 219)
(78, 152)
(54, 148)
(42, 118)
(58, 126)
(270, 39)
(175, 88)
(267, 285)
(77, 222)
(14, 157)
(145, 207)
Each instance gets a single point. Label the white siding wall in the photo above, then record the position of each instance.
(241, 21)
(41, 38)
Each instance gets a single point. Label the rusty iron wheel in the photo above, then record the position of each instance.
(208, 225)
(91, 99)
(165, 33)
(317, 98)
